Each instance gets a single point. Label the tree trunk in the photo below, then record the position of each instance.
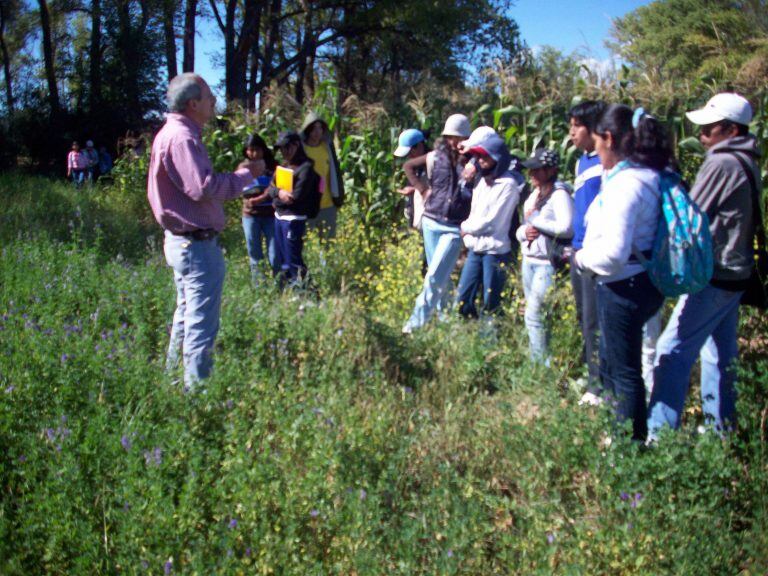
(50, 69)
(273, 32)
(190, 15)
(6, 62)
(169, 32)
(95, 56)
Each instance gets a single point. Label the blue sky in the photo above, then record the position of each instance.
(568, 25)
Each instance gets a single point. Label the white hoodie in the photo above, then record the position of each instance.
(486, 229)
(623, 217)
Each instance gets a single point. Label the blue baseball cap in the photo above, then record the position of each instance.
(407, 140)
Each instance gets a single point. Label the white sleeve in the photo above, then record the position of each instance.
(621, 204)
(562, 224)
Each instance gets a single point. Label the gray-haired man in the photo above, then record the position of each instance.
(187, 198)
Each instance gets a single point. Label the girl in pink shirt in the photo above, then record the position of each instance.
(77, 164)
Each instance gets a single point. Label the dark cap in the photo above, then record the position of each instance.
(287, 137)
(542, 158)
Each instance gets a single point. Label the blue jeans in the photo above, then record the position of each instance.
(490, 270)
(704, 324)
(537, 278)
(256, 228)
(442, 244)
(78, 176)
(623, 308)
(289, 240)
(198, 272)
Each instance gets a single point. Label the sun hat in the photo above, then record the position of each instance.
(407, 140)
(723, 106)
(542, 158)
(456, 125)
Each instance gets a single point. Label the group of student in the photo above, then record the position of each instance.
(279, 218)
(85, 165)
(470, 191)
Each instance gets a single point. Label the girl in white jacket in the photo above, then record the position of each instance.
(622, 222)
(485, 232)
(548, 216)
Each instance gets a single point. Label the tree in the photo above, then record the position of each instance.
(685, 40)
(48, 56)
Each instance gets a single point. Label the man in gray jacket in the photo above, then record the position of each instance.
(706, 323)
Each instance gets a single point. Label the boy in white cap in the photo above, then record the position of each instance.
(412, 144)
(446, 207)
(705, 324)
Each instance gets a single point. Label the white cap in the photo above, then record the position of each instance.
(89, 144)
(456, 125)
(723, 106)
(478, 135)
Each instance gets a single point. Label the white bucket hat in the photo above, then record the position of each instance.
(723, 106)
(457, 125)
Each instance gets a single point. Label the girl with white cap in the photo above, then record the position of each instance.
(447, 204)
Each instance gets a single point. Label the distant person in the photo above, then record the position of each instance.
(92, 155)
(622, 221)
(705, 324)
(318, 146)
(485, 232)
(446, 207)
(548, 217)
(258, 212)
(77, 165)
(105, 161)
(294, 208)
(187, 198)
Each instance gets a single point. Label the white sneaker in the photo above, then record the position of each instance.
(590, 399)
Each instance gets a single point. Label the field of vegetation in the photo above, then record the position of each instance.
(328, 443)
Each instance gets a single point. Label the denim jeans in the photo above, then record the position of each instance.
(256, 228)
(488, 270)
(289, 240)
(585, 295)
(78, 176)
(704, 324)
(442, 244)
(623, 308)
(537, 278)
(198, 272)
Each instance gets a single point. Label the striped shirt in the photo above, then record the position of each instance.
(184, 192)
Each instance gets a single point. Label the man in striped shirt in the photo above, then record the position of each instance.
(187, 199)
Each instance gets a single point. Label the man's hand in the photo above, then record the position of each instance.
(531, 233)
(285, 196)
(256, 167)
(406, 191)
(469, 172)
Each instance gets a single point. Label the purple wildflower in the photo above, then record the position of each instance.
(624, 496)
(168, 567)
(233, 523)
(314, 513)
(64, 358)
(125, 442)
(550, 538)
(449, 553)
(157, 455)
(230, 404)
(144, 564)
(248, 552)
(363, 494)
(22, 458)
(10, 389)
(51, 434)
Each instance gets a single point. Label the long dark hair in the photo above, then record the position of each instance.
(256, 141)
(647, 143)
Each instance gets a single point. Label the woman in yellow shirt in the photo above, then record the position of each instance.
(318, 145)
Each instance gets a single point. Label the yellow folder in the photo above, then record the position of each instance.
(284, 179)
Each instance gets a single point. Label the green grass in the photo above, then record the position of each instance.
(328, 443)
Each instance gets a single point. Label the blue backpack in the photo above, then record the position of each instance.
(681, 261)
